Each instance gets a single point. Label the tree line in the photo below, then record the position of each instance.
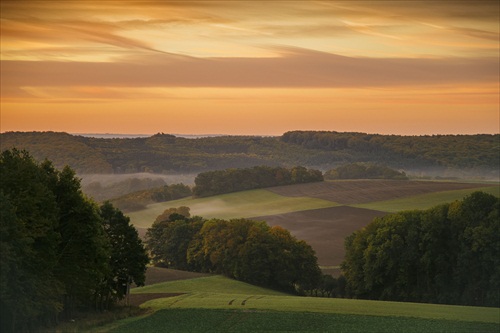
(163, 153)
(364, 171)
(242, 249)
(233, 180)
(447, 254)
(455, 151)
(60, 251)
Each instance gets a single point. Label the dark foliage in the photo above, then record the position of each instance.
(242, 249)
(234, 180)
(459, 151)
(320, 150)
(330, 287)
(58, 253)
(127, 258)
(447, 254)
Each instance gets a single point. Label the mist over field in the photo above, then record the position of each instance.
(443, 173)
(109, 179)
(107, 186)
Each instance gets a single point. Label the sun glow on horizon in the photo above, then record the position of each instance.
(423, 67)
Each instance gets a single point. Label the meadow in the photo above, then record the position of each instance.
(218, 304)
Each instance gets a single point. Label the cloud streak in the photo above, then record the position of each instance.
(302, 63)
(296, 68)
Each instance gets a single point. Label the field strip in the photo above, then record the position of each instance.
(196, 320)
(326, 305)
(424, 201)
(218, 292)
(245, 204)
(215, 284)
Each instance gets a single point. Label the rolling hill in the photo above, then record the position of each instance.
(444, 155)
(323, 213)
(215, 303)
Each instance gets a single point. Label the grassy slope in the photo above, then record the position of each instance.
(233, 205)
(215, 284)
(219, 304)
(425, 201)
(209, 300)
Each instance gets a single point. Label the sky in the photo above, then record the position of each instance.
(250, 67)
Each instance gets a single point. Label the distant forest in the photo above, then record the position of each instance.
(164, 153)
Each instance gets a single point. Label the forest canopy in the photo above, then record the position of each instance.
(163, 153)
(447, 254)
(245, 250)
(234, 180)
(60, 251)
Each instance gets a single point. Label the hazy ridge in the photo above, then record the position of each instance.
(463, 156)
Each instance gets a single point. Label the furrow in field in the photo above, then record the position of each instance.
(351, 192)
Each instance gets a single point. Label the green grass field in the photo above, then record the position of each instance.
(202, 320)
(424, 201)
(232, 205)
(215, 284)
(218, 304)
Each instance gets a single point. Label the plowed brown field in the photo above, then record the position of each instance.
(350, 192)
(324, 229)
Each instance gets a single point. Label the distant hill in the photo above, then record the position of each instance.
(164, 153)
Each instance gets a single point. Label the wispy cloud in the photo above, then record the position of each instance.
(402, 59)
(295, 68)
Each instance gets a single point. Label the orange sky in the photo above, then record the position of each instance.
(250, 67)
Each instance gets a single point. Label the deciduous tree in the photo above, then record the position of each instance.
(128, 258)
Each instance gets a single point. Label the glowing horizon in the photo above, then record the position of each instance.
(250, 68)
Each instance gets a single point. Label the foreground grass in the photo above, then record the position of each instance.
(95, 321)
(208, 300)
(219, 304)
(202, 320)
(425, 201)
(244, 204)
(218, 292)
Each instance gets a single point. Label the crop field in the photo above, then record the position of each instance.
(233, 205)
(218, 304)
(349, 192)
(181, 320)
(425, 201)
(323, 213)
(325, 229)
